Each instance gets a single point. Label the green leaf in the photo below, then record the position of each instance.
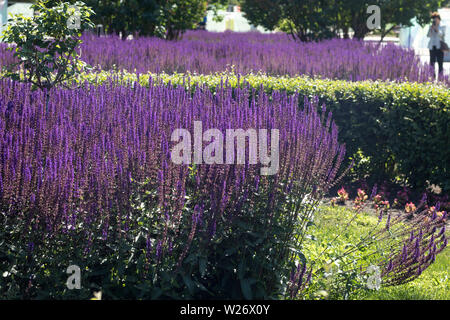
(188, 282)
(246, 289)
(202, 266)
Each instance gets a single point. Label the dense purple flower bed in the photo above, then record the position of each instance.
(95, 167)
(77, 162)
(275, 54)
(92, 177)
(6, 56)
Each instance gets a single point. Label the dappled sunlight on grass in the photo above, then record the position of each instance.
(330, 222)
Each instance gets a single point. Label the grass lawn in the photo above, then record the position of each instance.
(433, 284)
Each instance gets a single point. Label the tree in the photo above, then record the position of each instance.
(393, 13)
(304, 20)
(168, 19)
(176, 16)
(215, 5)
(313, 20)
(45, 44)
(123, 16)
(265, 13)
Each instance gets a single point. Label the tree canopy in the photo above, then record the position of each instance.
(164, 18)
(45, 44)
(317, 19)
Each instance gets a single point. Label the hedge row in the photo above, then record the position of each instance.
(392, 130)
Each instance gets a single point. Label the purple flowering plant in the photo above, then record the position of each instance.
(92, 183)
(86, 177)
(201, 52)
(400, 245)
(96, 170)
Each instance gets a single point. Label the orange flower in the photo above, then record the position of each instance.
(410, 207)
(343, 195)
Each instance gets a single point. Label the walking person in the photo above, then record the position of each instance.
(436, 33)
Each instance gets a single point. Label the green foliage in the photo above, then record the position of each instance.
(393, 13)
(177, 16)
(243, 260)
(163, 18)
(303, 20)
(311, 20)
(339, 281)
(236, 266)
(433, 284)
(335, 232)
(123, 16)
(136, 16)
(45, 46)
(392, 130)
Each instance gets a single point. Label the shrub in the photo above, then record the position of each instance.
(91, 183)
(44, 46)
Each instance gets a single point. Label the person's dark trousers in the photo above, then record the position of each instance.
(437, 55)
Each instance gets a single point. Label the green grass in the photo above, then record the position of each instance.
(433, 284)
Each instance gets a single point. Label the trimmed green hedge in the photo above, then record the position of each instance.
(392, 130)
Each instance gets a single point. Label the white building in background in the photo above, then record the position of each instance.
(233, 20)
(415, 37)
(11, 7)
(3, 13)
